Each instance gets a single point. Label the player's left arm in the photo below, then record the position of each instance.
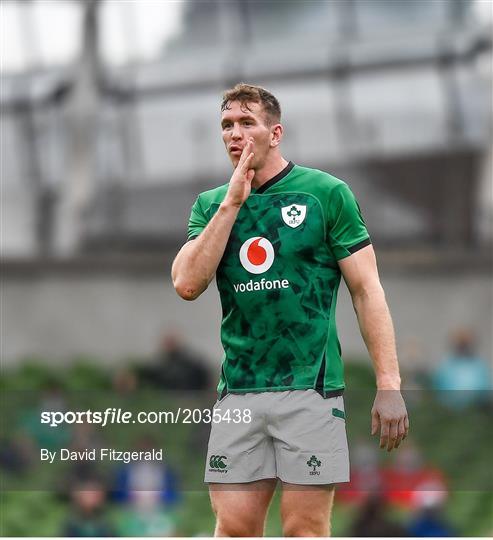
(389, 414)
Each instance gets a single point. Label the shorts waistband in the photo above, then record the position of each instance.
(324, 393)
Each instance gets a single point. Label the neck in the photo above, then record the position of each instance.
(269, 170)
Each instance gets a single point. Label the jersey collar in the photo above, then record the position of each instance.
(275, 179)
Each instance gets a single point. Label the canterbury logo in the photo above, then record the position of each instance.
(216, 462)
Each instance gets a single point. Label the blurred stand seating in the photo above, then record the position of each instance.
(462, 378)
(175, 367)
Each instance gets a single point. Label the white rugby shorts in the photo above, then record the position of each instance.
(297, 436)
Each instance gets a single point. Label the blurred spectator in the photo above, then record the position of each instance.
(147, 518)
(125, 381)
(176, 367)
(365, 475)
(372, 520)
(429, 520)
(415, 368)
(84, 437)
(408, 475)
(463, 372)
(18, 453)
(149, 489)
(149, 476)
(44, 435)
(87, 516)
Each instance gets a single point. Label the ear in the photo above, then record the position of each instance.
(276, 135)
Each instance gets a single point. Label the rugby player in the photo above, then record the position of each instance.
(277, 237)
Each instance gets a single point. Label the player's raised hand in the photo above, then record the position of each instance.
(240, 184)
(390, 415)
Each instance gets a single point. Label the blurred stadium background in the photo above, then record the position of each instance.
(109, 130)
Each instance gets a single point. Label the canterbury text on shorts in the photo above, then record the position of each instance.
(295, 435)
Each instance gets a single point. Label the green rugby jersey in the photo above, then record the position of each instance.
(278, 281)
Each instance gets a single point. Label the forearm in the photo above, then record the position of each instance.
(389, 410)
(197, 261)
(378, 333)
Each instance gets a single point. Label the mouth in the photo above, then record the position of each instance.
(235, 150)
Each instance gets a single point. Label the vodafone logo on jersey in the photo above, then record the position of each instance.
(257, 255)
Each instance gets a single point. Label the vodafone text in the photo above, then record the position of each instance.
(263, 284)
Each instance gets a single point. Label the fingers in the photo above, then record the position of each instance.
(401, 433)
(393, 434)
(246, 164)
(384, 433)
(389, 414)
(374, 422)
(250, 175)
(246, 152)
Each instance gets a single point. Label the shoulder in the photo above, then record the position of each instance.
(216, 195)
(320, 183)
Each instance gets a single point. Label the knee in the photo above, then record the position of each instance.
(304, 526)
(237, 525)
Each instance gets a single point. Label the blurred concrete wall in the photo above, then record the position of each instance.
(114, 316)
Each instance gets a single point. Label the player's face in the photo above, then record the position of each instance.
(239, 124)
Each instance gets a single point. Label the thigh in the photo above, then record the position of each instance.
(239, 449)
(241, 509)
(309, 436)
(306, 510)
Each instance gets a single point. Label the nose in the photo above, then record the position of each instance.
(236, 132)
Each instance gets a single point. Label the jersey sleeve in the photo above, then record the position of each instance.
(346, 232)
(198, 221)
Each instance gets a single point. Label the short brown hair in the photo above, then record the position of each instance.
(247, 93)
